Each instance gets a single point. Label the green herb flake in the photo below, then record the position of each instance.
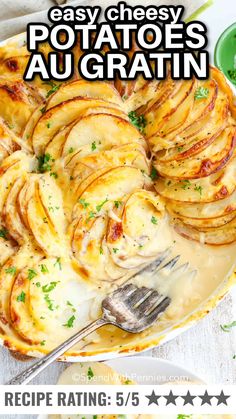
(71, 150)
(117, 203)
(198, 189)
(58, 263)
(154, 220)
(21, 297)
(54, 88)
(154, 174)
(84, 203)
(93, 146)
(38, 284)
(227, 327)
(11, 270)
(91, 215)
(115, 249)
(43, 110)
(99, 207)
(44, 163)
(101, 251)
(42, 343)
(49, 302)
(138, 121)
(70, 322)
(54, 174)
(49, 124)
(184, 416)
(3, 233)
(49, 287)
(185, 184)
(44, 269)
(31, 274)
(201, 93)
(90, 373)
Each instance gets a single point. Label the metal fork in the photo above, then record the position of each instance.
(130, 308)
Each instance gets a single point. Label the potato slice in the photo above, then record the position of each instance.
(134, 237)
(156, 117)
(89, 373)
(205, 223)
(58, 117)
(53, 299)
(215, 236)
(45, 218)
(203, 211)
(90, 130)
(17, 102)
(12, 167)
(156, 123)
(10, 214)
(83, 88)
(208, 161)
(200, 134)
(25, 256)
(212, 188)
(128, 154)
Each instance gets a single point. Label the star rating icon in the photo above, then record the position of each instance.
(206, 399)
(188, 399)
(222, 399)
(153, 398)
(170, 399)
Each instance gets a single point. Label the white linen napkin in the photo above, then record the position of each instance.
(16, 14)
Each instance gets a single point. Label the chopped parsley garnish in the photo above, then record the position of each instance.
(84, 203)
(43, 110)
(137, 120)
(154, 220)
(49, 302)
(232, 74)
(115, 249)
(185, 184)
(90, 373)
(127, 382)
(71, 305)
(99, 207)
(49, 287)
(11, 270)
(54, 174)
(234, 357)
(21, 297)
(3, 233)
(54, 88)
(71, 149)
(117, 203)
(179, 149)
(201, 93)
(49, 124)
(93, 146)
(184, 416)
(58, 263)
(44, 163)
(154, 174)
(44, 269)
(91, 215)
(198, 189)
(38, 284)
(31, 274)
(101, 251)
(70, 322)
(43, 342)
(227, 327)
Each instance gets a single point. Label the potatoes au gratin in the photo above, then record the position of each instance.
(96, 180)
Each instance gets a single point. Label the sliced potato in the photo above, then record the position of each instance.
(58, 117)
(211, 188)
(208, 161)
(83, 88)
(90, 130)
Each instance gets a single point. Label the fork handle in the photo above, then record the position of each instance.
(27, 375)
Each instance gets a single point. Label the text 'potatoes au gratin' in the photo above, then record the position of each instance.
(91, 173)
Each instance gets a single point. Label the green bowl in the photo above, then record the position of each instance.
(225, 53)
